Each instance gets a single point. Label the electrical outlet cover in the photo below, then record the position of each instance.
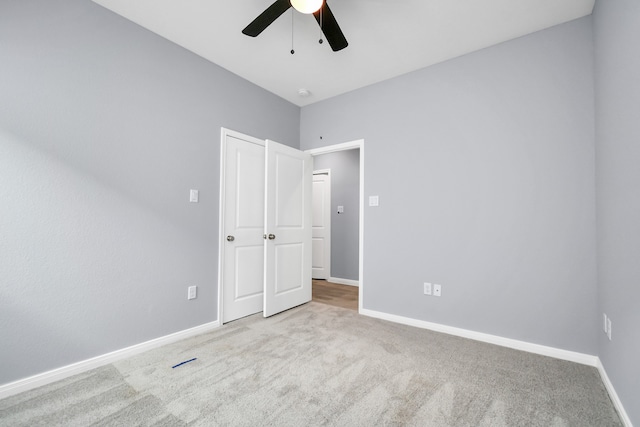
(427, 288)
(437, 290)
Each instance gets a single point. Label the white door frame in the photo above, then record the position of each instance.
(352, 145)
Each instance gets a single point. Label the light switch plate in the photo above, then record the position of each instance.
(193, 196)
(192, 292)
(340, 209)
(427, 288)
(374, 201)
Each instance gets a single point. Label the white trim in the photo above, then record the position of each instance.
(613, 395)
(48, 377)
(571, 356)
(221, 192)
(340, 281)
(352, 145)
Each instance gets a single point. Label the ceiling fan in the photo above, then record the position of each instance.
(322, 13)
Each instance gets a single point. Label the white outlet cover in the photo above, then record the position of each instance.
(374, 200)
(604, 324)
(609, 328)
(437, 290)
(192, 292)
(193, 196)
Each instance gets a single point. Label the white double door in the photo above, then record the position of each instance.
(266, 223)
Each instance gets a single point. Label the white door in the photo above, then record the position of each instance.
(288, 228)
(321, 226)
(243, 224)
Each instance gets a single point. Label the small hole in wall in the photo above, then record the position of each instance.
(320, 137)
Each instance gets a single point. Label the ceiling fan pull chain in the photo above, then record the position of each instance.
(292, 13)
(320, 41)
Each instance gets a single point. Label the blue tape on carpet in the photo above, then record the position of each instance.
(182, 363)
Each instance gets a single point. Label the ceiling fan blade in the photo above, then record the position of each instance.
(267, 17)
(330, 28)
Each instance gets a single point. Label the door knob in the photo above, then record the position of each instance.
(230, 238)
(272, 236)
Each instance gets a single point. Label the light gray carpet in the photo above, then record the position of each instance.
(322, 365)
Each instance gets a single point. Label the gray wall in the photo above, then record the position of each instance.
(617, 31)
(485, 170)
(484, 166)
(104, 128)
(345, 191)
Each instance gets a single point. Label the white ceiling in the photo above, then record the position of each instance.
(386, 38)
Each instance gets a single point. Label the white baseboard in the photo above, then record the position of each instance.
(340, 281)
(613, 395)
(571, 356)
(584, 359)
(48, 377)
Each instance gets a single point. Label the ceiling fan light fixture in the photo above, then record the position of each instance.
(307, 6)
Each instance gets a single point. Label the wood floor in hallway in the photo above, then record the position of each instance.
(334, 294)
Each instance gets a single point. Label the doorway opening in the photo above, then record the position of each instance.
(353, 145)
(248, 262)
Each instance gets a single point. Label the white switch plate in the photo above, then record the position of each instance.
(193, 196)
(340, 209)
(609, 328)
(374, 201)
(437, 290)
(604, 324)
(427, 288)
(192, 293)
